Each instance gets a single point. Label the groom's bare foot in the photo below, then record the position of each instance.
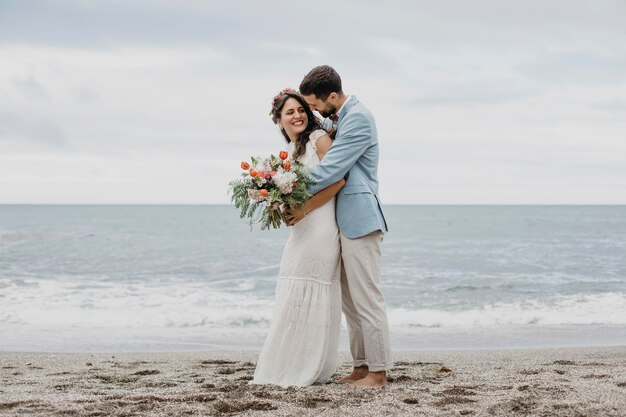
(357, 373)
(373, 380)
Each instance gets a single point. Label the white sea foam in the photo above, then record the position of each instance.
(68, 303)
(606, 308)
(183, 304)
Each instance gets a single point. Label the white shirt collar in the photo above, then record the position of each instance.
(343, 105)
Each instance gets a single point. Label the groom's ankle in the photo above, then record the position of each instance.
(378, 375)
(361, 370)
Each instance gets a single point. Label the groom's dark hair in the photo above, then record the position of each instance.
(321, 81)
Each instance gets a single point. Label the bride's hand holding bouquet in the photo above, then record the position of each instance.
(268, 186)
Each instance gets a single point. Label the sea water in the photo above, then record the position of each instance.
(175, 277)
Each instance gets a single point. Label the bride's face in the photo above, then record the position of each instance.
(293, 118)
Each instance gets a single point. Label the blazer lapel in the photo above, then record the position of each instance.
(347, 107)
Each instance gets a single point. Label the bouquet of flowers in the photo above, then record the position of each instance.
(267, 187)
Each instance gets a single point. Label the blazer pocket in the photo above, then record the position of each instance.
(356, 189)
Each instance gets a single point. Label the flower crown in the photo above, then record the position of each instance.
(281, 93)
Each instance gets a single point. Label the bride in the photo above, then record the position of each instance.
(303, 339)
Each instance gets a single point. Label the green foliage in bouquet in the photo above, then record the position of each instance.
(261, 195)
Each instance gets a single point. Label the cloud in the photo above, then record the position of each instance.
(128, 177)
(472, 94)
(578, 67)
(14, 128)
(293, 49)
(88, 24)
(30, 87)
(614, 105)
(126, 96)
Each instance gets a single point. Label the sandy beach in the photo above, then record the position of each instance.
(549, 382)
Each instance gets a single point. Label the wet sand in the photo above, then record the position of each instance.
(550, 382)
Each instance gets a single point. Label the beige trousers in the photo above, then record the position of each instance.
(363, 303)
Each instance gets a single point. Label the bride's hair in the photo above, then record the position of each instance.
(312, 125)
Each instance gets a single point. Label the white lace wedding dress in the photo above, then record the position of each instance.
(303, 339)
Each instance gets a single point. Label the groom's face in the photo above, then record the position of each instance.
(325, 107)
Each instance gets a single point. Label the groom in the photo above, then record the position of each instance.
(354, 157)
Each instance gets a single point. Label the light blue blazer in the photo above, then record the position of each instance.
(353, 156)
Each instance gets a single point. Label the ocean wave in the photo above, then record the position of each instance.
(36, 237)
(16, 282)
(129, 304)
(466, 288)
(70, 302)
(584, 309)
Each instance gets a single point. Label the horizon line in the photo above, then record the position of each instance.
(384, 205)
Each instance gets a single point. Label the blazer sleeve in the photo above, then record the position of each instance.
(351, 142)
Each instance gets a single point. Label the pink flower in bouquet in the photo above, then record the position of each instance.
(267, 186)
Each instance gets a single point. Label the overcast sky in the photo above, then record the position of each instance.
(476, 102)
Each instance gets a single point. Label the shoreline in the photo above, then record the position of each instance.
(588, 381)
(20, 338)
